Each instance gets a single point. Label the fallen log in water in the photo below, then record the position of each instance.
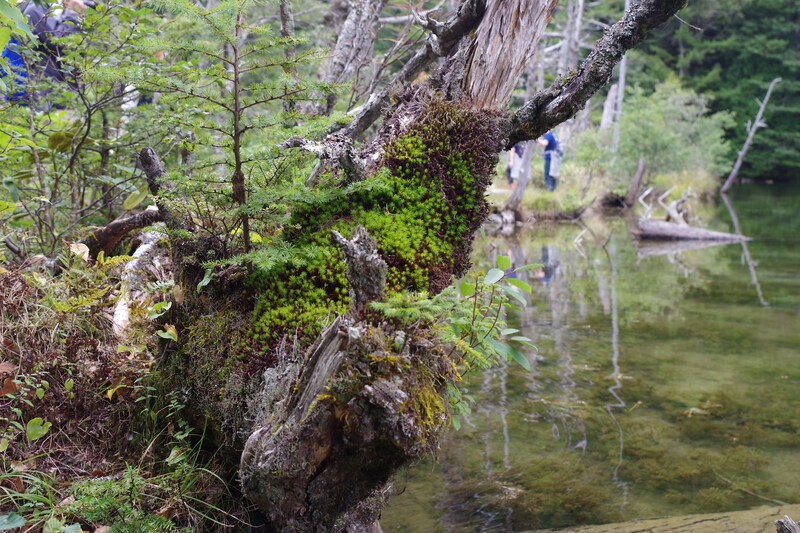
(758, 520)
(667, 231)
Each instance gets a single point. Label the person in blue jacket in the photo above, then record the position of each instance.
(552, 159)
(46, 24)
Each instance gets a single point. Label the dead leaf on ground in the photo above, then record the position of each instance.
(7, 386)
(8, 368)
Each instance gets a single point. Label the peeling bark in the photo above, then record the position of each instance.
(505, 42)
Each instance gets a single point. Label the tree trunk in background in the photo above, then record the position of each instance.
(636, 184)
(609, 107)
(623, 74)
(515, 200)
(506, 40)
(569, 54)
(354, 45)
(751, 133)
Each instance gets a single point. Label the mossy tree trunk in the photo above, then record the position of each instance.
(325, 417)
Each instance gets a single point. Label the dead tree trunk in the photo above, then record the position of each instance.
(354, 44)
(752, 128)
(636, 184)
(623, 77)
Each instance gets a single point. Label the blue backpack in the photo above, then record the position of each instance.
(18, 70)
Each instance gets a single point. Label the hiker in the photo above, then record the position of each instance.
(553, 152)
(45, 25)
(514, 167)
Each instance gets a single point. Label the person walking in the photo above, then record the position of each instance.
(514, 167)
(46, 24)
(552, 159)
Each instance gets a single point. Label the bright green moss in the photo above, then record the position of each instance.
(421, 208)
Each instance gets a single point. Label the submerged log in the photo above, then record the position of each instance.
(758, 520)
(666, 231)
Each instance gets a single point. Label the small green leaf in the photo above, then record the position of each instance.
(503, 262)
(520, 358)
(509, 331)
(40, 393)
(74, 528)
(5, 36)
(68, 384)
(532, 266)
(493, 276)
(466, 289)
(110, 392)
(524, 340)
(10, 13)
(136, 198)
(456, 423)
(169, 332)
(206, 279)
(159, 309)
(4, 442)
(60, 142)
(37, 428)
(53, 525)
(175, 456)
(521, 285)
(11, 521)
(513, 293)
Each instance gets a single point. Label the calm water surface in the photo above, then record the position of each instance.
(665, 383)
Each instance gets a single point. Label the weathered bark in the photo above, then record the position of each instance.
(366, 270)
(787, 525)
(440, 43)
(752, 128)
(505, 42)
(134, 278)
(636, 184)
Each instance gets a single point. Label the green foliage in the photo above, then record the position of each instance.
(469, 321)
(65, 157)
(671, 129)
(731, 51)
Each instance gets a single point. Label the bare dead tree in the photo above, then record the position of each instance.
(752, 128)
(354, 45)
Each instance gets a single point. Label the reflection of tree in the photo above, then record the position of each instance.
(745, 251)
(610, 250)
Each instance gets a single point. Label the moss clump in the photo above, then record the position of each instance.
(421, 205)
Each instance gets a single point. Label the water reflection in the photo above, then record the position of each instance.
(661, 386)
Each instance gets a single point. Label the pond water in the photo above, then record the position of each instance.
(665, 383)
